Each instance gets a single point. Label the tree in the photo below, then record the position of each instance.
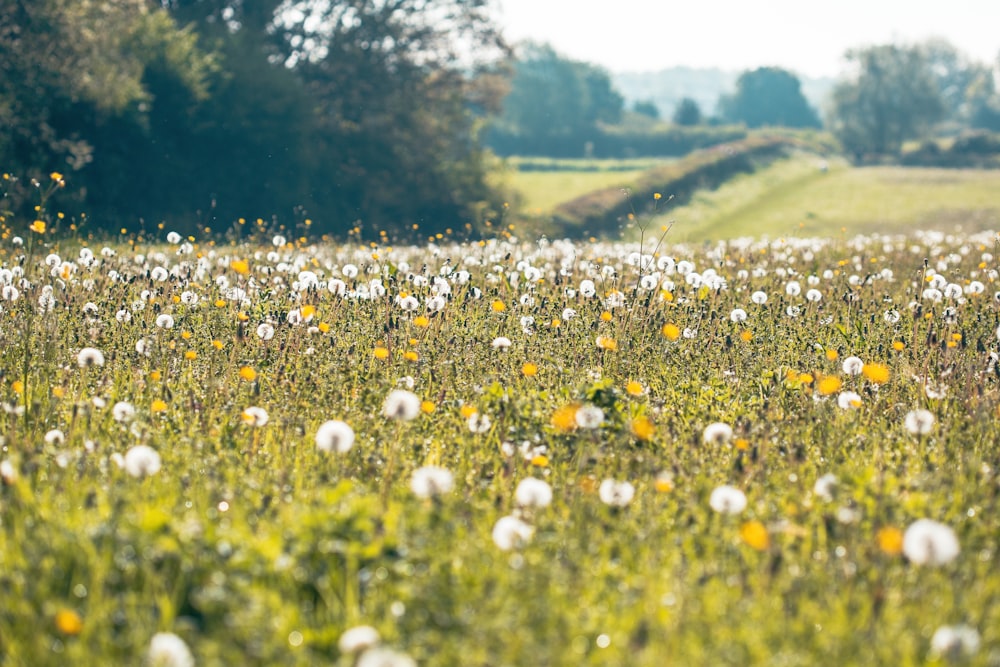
(646, 108)
(892, 97)
(768, 96)
(687, 112)
(555, 104)
(68, 65)
(350, 112)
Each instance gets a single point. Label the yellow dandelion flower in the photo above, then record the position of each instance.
(56, 176)
(190, 355)
(468, 410)
(746, 335)
(664, 483)
(38, 226)
(159, 405)
(411, 355)
(421, 321)
(877, 373)
(427, 407)
(242, 317)
(540, 461)
(642, 428)
(667, 296)
(564, 419)
(890, 540)
(307, 311)
(832, 354)
(634, 388)
(381, 353)
(68, 622)
(529, 370)
(240, 266)
(186, 335)
(656, 195)
(829, 385)
(607, 343)
(589, 484)
(248, 374)
(898, 345)
(218, 344)
(606, 316)
(806, 378)
(741, 444)
(498, 306)
(671, 331)
(17, 387)
(220, 303)
(754, 534)
(155, 376)
(323, 327)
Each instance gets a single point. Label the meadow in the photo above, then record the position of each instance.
(500, 453)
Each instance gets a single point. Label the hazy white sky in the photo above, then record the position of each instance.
(806, 36)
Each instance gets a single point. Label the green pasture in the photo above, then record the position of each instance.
(543, 183)
(795, 197)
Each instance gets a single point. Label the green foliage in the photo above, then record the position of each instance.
(555, 105)
(646, 108)
(768, 97)
(893, 98)
(355, 116)
(687, 113)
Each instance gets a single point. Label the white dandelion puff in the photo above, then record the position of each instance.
(727, 499)
(853, 365)
(90, 356)
(358, 638)
(402, 405)
(589, 417)
(431, 481)
(510, 532)
(928, 542)
(168, 650)
(615, 493)
(142, 461)
(954, 642)
(919, 422)
(717, 434)
(255, 416)
(334, 436)
(533, 492)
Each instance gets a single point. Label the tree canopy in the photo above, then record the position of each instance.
(354, 114)
(892, 96)
(556, 104)
(768, 96)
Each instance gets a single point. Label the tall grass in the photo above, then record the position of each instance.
(255, 547)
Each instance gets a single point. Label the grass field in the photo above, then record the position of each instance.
(500, 453)
(794, 197)
(544, 183)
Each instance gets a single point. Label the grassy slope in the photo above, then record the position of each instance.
(795, 197)
(542, 191)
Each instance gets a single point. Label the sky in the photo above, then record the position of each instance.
(804, 36)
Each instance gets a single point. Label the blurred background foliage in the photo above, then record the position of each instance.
(360, 116)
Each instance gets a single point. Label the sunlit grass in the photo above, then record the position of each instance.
(796, 197)
(543, 184)
(250, 450)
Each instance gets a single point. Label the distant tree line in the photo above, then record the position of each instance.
(892, 94)
(348, 113)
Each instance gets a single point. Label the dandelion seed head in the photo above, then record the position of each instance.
(928, 542)
(334, 436)
(727, 499)
(141, 461)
